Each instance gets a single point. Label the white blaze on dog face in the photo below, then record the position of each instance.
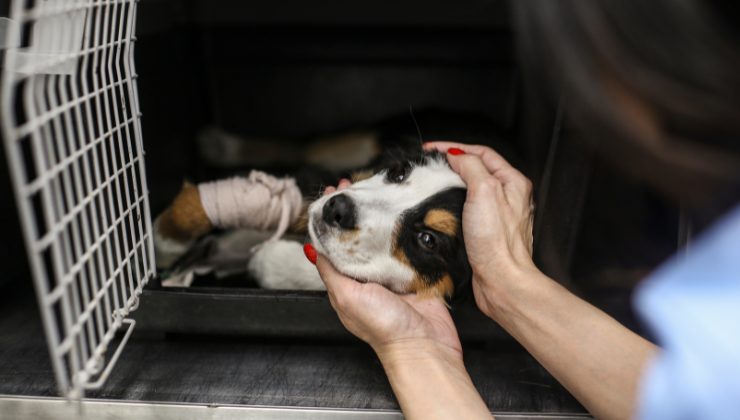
(365, 250)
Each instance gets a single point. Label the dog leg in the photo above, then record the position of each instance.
(281, 265)
(177, 228)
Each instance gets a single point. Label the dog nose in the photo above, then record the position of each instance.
(340, 211)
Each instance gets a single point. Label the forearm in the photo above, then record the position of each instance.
(430, 382)
(597, 359)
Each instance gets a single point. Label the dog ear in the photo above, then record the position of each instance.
(398, 154)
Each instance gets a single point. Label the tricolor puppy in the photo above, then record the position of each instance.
(400, 227)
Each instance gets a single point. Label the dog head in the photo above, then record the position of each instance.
(400, 227)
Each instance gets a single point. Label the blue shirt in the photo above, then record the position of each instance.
(692, 304)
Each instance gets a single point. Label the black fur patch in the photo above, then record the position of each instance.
(449, 256)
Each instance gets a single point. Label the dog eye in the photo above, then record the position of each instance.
(426, 240)
(397, 174)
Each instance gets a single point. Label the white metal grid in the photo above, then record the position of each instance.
(71, 128)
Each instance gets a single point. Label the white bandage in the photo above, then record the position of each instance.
(260, 201)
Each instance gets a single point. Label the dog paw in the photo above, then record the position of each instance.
(281, 265)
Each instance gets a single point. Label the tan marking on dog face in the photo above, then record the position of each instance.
(443, 288)
(398, 252)
(441, 221)
(348, 235)
(400, 255)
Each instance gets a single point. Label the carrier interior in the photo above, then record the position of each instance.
(282, 74)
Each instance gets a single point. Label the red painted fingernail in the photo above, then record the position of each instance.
(455, 151)
(310, 252)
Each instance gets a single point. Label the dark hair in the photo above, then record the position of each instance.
(679, 59)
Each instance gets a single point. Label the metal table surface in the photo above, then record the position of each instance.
(196, 372)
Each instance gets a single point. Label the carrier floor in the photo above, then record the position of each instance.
(259, 371)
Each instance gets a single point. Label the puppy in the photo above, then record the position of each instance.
(399, 227)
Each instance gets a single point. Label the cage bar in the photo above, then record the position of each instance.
(72, 135)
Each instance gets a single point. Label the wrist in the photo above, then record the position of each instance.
(405, 352)
(507, 286)
(430, 381)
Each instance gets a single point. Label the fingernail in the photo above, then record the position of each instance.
(310, 252)
(455, 151)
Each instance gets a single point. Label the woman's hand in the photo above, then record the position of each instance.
(384, 319)
(598, 360)
(497, 218)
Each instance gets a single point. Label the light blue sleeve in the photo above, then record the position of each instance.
(692, 305)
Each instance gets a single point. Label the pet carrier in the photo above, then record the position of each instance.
(72, 134)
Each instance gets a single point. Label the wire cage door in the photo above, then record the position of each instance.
(72, 135)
